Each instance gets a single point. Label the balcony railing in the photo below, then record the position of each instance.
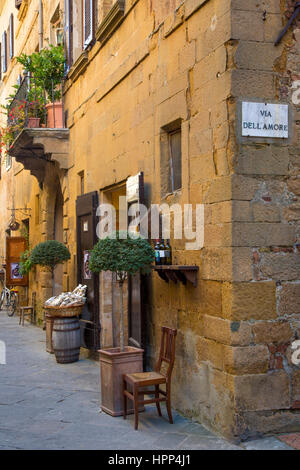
(36, 104)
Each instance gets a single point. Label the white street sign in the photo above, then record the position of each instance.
(265, 120)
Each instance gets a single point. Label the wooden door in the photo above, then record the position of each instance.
(136, 284)
(14, 247)
(86, 206)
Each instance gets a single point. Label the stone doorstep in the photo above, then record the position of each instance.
(292, 440)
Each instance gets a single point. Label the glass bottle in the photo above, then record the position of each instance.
(157, 253)
(162, 253)
(168, 253)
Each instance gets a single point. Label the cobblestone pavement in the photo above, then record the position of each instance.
(44, 405)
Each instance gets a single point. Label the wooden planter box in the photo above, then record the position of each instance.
(113, 364)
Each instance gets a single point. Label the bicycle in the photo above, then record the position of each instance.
(9, 300)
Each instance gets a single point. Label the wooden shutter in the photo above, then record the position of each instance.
(4, 46)
(68, 39)
(88, 22)
(86, 208)
(14, 247)
(11, 36)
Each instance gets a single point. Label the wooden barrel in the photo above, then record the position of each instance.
(49, 331)
(66, 340)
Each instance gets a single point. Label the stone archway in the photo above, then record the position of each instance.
(52, 217)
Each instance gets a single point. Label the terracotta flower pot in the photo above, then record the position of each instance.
(33, 122)
(54, 115)
(113, 364)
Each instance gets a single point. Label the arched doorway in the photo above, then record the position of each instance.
(58, 235)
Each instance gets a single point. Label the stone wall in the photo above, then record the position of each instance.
(194, 61)
(265, 224)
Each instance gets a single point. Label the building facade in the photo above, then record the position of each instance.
(149, 84)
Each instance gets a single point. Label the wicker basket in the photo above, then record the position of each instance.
(65, 311)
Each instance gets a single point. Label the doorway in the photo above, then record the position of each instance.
(86, 207)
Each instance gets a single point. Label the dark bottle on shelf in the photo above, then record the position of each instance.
(168, 253)
(157, 253)
(162, 252)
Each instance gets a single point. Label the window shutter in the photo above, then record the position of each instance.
(68, 40)
(11, 36)
(88, 22)
(4, 45)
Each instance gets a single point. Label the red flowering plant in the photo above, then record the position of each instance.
(15, 122)
(18, 111)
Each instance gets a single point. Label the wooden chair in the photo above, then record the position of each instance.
(28, 310)
(140, 380)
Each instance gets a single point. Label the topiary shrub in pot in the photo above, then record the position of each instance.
(124, 254)
(49, 254)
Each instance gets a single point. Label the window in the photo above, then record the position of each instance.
(18, 3)
(0, 61)
(81, 183)
(88, 22)
(174, 161)
(8, 161)
(4, 46)
(11, 36)
(68, 33)
(37, 209)
(56, 28)
(171, 165)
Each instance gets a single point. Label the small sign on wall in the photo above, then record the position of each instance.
(265, 120)
(87, 274)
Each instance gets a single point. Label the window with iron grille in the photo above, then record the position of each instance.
(11, 36)
(88, 22)
(4, 47)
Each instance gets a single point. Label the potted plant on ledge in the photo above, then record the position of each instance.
(47, 68)
(123, 254)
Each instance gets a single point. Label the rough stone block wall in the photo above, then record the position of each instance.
(194, 61)
(266, 224)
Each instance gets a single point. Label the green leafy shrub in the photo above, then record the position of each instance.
(25, 263)
(48, 67)
(49, 254)
(122, 255)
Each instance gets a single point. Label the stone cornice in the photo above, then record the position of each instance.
(111, 21)
(79, 66)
